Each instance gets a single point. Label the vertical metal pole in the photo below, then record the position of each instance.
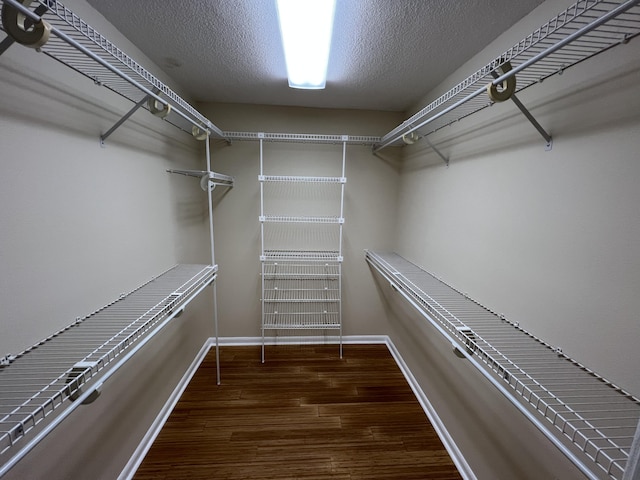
(632, 469)
(261, 202)
(344, 156)
(262, 302)
(344, 163)
(213, 262)
(340, 303)
(262, 245)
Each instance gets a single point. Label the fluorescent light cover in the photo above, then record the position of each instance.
(305, 28)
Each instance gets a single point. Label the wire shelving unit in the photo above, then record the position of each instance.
(302, 138)
(592, 421)
(43, 385)
(79, 46)
(585, 29)
(301, 281)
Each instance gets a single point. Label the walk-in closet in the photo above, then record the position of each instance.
(424, 264)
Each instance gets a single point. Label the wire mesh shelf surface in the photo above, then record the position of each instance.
(598, 418)
(303, 138)
(293, 271)
(319, 319)
(307, 255)
(46, 380)
(583, 30)
(79, 46)
(299, 219)
(300, 179)
(282, 291)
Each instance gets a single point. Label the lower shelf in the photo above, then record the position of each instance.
(297, 255)
(589, 419)
(44, 384)
(297, 325)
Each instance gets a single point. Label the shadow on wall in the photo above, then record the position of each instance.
(564, 112)
(59, 106)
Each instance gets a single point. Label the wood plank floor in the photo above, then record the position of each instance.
(303, 414)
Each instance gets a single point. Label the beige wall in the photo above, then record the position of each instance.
(370, 206)
(547, 238)
(524, 231)
(82, 224)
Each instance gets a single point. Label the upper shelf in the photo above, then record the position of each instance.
(78, 45)
(303, 138)
(581, 31)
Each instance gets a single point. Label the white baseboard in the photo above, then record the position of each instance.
(305, 340)
(140, 452)
(436, 422)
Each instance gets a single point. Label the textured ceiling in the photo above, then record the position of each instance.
(385, 55)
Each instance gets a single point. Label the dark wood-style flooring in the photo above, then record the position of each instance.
(303, 414)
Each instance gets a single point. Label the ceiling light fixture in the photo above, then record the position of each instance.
(305, 28)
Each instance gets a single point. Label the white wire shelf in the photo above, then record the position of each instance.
(591, 420)
(44, 384)
(300, 179)
(286, 295)
(303, 138)
(307, 255)
(320, 319)
(299, 219)
(585, 29)
(79, 46)
(294, 271)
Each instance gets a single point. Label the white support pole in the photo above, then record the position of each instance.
(213, 262)
(261, 137)
(632, 469)
(344, 163)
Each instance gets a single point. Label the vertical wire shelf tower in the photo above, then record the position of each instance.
(301, 223)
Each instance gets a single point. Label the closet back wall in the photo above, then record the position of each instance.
(370, 206)
(81, 224)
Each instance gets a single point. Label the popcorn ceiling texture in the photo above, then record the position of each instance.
(386, 54)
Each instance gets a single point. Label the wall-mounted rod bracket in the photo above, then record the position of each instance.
(208, 180)
(125, 117)
(529, 117)
(433, 147)
(534, 122)
(28, 23)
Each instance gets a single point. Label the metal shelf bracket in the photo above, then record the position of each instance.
(435, 149)
(529, 116)
(124, 118)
